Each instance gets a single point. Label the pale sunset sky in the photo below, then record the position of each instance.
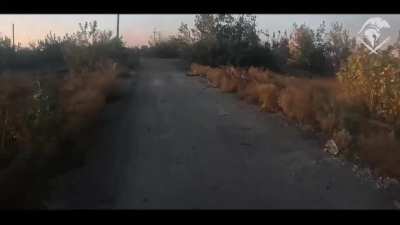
(136, 29)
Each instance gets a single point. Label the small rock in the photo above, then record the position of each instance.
(331, 147)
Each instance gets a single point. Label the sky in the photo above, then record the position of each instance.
(136, 29)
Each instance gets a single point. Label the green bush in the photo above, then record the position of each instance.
(375, 79)
(228, 40)
(320, 51)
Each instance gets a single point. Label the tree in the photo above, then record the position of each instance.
(309, 49)
(204, 26)
(302, 45)
(279, 45)
(225, 39)
(185, 34)
(340, 44)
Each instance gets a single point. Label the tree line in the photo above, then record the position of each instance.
(225, 39)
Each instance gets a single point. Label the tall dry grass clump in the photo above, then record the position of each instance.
(295, 103)
(259, 75)
(253, 88)
(301, 99)
(230, 81)
(16, 97)
(325, 105)
(42, 120)
(34, 109)
(268, 95)
(83, 95)
(248, 92)
(214, 76)
(198, 70)
(381, 151)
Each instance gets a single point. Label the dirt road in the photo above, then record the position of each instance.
(175, 144)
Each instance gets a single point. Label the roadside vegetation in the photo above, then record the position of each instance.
(50, 96)
(320, 79)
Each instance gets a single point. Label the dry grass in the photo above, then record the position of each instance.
(382, 152)
(320, 105)
(15, 97)
(82, 96)
(230, 81)
(268, 95)
(214, 76)
(259, 75)
(79, 97)
(296, 103)
(249, 92)
(39, 121)
(198, 70)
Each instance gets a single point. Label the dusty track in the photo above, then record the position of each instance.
(173, 143)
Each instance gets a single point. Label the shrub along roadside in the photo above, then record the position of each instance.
(321, 105)
(46, 115)
(48, 134)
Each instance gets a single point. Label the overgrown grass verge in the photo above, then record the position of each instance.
(324, 106)
(44, 125)
(51, 94)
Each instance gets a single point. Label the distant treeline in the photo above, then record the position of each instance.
(234, 40)
(82, 49)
